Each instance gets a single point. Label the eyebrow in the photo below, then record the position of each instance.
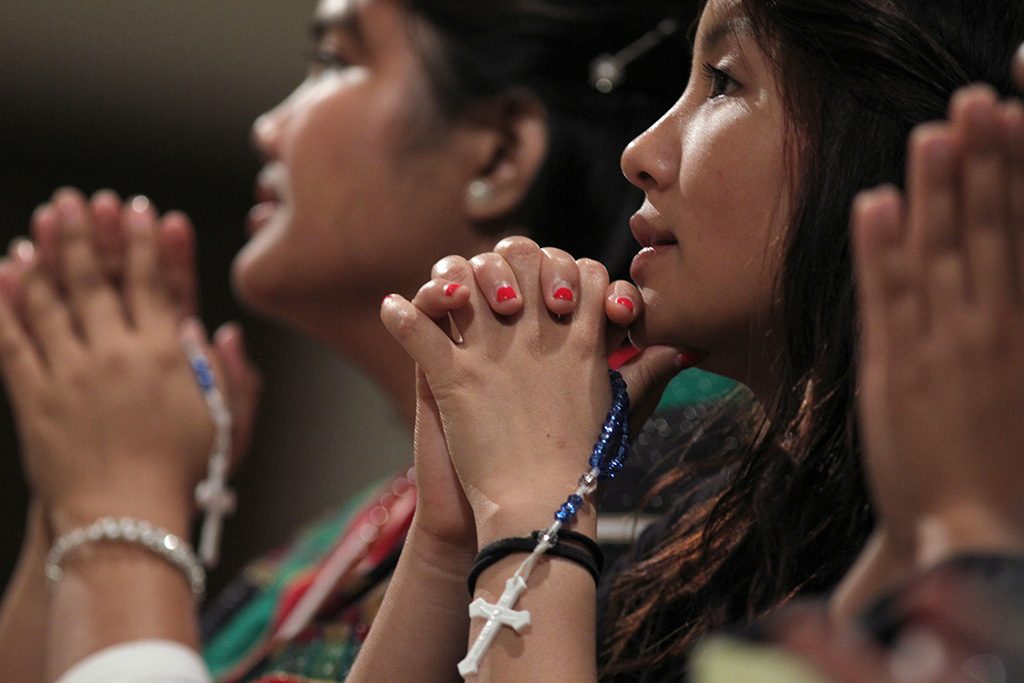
(346, 21)
(722, 30)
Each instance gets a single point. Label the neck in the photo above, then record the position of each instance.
(364, 342)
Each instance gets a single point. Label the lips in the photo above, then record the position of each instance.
(655, 243)
(268, 192)
(647, 235)
(260, 215)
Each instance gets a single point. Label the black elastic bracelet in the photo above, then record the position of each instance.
(576, 537)
(587, 558)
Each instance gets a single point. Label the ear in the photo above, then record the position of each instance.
(510, 147)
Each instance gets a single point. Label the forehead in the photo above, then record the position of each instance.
(720, 20)
(327, 9)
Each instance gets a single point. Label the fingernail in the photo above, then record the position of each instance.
(69, 209)
(140, 204)
(563, 293)
(450, 290)
(385, 299)
(22, 249)
(627, 302)
(687, 359)
(506, 293)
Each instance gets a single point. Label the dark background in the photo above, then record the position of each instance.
(156, 97)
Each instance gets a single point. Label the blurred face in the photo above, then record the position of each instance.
(363, 185)
(717, 202)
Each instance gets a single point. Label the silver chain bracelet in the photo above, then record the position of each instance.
(132, 531)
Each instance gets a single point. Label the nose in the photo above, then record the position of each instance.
(651, 161)
(267, 129)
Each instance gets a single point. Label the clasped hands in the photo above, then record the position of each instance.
(93, 314)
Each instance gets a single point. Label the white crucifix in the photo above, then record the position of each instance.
(498, 615)
(217, 501)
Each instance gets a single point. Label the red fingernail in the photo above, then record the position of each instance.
(625, 301)
(563, 294)
(687, 359)
(506, 293)
(450, 290)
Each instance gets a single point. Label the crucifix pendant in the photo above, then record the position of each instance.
(498, 615)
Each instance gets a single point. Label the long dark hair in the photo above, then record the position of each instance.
(857, 76)
(484, 49)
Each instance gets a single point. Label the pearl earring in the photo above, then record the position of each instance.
(479, 193)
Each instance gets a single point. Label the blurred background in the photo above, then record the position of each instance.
(156, 98)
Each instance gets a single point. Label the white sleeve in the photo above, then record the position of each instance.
(141, 661)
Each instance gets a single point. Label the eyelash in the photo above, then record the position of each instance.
(720, 83)
(323, 60)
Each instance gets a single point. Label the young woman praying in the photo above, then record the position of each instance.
(792, 108)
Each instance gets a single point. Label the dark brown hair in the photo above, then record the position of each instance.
(857, 75)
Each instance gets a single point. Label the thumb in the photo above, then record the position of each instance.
(648, 373)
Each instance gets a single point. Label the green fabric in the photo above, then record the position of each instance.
(250, 623)
(694, 386)
(727, 660)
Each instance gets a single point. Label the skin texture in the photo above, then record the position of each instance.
(713, 173)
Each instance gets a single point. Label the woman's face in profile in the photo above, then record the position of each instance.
(361, 191)
(717, 200)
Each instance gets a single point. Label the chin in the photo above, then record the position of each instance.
(255, 291)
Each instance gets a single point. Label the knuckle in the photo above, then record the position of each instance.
(76, 376)
(167, 355)
(486, 260)
(593, 271)
(558, 255)
(404, 322)
(87, 277)
(113, 361)
(451, 268)
(517, 246)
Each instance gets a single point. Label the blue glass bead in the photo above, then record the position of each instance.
(576, 501)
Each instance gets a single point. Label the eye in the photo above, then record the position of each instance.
(720, 83)
(321, 61)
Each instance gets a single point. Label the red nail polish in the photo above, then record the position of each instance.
(687, 359)
(450, 290)
(563, 294)
(506, 293)
(624, 301)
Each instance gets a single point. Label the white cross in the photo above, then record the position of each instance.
(498, 615)
(216, 501)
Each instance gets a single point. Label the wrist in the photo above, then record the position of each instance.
(172, 514)
(514, 517)
(446, 557)
(963, 528)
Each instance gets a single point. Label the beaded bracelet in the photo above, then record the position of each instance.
(132, 531)
(589, 557)
(606, 460)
